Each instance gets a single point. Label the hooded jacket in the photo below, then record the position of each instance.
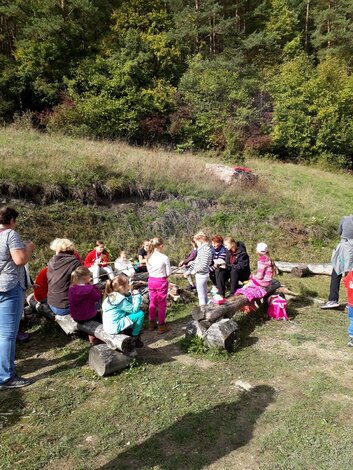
(116, 308)
(240, 260)
(60, 268)
(83, 300)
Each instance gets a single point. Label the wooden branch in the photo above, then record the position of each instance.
(105, 361)
(325, 269)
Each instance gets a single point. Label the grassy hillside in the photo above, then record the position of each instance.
(88, 190)
(178, 407)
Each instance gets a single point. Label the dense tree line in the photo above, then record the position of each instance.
(236, 76)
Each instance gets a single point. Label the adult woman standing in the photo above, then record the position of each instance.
(14, 254)
(60, 267)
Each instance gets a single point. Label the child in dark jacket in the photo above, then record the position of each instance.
(237, 263)
(84, 298)
(187, 262)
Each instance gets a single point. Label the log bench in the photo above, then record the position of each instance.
(116, 353)
(304, 269)
(213, 323)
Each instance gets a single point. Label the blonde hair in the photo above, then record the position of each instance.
(117, 284)
(154, 243)
(231, 241)
(201, 236)
(62, 245)
(79, 274)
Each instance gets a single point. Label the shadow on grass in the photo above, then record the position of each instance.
(199, 439)
(11, 405)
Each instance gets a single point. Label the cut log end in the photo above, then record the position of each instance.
(104, 361)
(223, 335)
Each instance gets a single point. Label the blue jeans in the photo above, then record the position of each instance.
(350, 318)
(59, 311)
(11, 307)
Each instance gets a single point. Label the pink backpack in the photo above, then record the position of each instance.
(277, 307)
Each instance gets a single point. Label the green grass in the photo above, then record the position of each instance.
(290, 208)
(171, 414)
(178, 406)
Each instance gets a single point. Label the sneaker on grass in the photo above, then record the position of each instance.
(15, 382)
(350, 342)
(330, 304)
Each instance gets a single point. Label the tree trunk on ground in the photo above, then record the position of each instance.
(121, 342)
(213, 312)
(313, 268)
(223, 334)
(301, 271)
(104, 361)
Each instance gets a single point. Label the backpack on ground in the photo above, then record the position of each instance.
(277, 307)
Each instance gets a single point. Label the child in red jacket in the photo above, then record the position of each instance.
(97, 261)
(348, 283)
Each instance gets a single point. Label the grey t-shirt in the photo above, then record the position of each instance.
(345, 228)
(10, 273)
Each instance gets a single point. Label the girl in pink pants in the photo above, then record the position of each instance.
(158, 267)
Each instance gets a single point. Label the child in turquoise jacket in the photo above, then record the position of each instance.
(121, 310)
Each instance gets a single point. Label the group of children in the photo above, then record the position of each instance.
(216, 259)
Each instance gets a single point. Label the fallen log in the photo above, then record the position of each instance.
(104, 361)
(300, 271)
(325, 268)
(121, 342)
(213, 312)
(224, 334)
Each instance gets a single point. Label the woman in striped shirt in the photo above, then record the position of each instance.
(200, 267)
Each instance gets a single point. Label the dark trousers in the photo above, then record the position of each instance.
(335, 286)
(235, 277)
(220, 277)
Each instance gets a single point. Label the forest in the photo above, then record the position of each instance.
(238, 78)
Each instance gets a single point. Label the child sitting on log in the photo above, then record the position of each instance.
(84, 299)
(265, 267)
(121, 310)
(187, 261)
(141, 266)
(123, 265)
(97, 260)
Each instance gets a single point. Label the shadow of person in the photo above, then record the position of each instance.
(11, 405)
(199, 439)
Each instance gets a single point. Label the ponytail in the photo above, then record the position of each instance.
(154, 243)
(118, 284)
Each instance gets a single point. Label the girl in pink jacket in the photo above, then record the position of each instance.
(265, 267)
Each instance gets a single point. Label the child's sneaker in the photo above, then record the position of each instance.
(350, 342)
(152, 325)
